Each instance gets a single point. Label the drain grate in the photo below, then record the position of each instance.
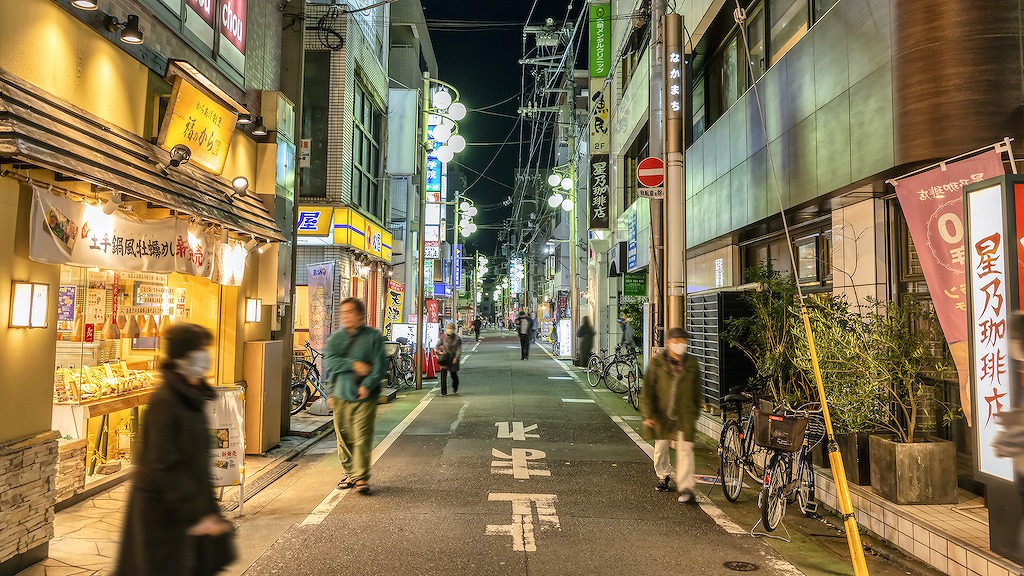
(264, 480)
(741, 566)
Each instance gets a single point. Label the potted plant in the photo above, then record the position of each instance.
(766, 337)
(854, 400)
(907, 467)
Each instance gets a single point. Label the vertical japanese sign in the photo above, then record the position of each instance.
(457, 268)
(988, 260)
(599, 192)
(674, 82)
(933, 205)
(600, 137)
(233, 30)
(227, 437)
(632, 256)
(66, 308)
(600, 39)
(393, 309)
(321, 304)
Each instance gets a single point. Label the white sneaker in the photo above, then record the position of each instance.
(685, 496)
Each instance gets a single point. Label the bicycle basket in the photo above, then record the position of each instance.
(391, 349)
(779, 432)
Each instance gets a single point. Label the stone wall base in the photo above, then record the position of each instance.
(28, 472)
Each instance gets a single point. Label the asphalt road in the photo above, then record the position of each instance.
(525, 471)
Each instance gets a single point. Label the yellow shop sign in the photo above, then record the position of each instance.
(199, 122)
(354, 230)
(315, 221)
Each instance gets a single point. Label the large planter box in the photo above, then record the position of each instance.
(854, 448)
(915, 473)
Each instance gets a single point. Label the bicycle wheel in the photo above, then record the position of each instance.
(773, 492)
(805, 484)
(302, 371)
(617, 377)
(594, 370)
(731, 470)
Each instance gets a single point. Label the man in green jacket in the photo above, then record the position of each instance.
(670, 400)
(355, 361)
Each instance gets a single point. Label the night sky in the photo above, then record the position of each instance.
(479, 55)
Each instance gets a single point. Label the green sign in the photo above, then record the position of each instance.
(634, 284)
(600, 40)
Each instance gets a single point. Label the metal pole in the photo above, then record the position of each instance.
(421, 284)
(675, 175)
(456, 256)
(656, 268)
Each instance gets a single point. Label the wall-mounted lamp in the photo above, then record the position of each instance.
(244, 118)
(240, 184)
(251, 244)
(259, 129)
(112, 204)
(85, 4)
(29, 304)
(253, 310)
(264, 247)
(130, 31)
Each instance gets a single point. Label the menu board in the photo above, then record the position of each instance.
(66, 308)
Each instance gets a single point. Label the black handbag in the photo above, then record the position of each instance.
(215, 553)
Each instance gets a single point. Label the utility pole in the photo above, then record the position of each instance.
(657, 132)
(676, 91)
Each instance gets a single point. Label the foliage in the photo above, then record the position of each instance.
(766, 336)
(633, 309)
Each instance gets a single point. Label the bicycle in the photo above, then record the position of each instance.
(306, 380)
(399, 370)
(737, 452)
(789, 435)
(622, 366)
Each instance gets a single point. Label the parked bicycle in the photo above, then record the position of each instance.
(399, 373)
(306, 383)
(616, 371)
(738, 454)
(789, 435)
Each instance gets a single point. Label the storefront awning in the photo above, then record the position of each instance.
(41, 129)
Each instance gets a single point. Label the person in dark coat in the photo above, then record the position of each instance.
(586, 335)
(171, 505)
(477, 325)
(523, 325)
(450, 348)
(670, 401)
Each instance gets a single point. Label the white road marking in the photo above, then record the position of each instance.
(517, 464)
(521, 529)
(578, 401)
(324, 508)
(515, 431)
(559, 378)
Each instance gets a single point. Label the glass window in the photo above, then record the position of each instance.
(697, 103)
(821, 6)
(366, 153)
(806, 250)
(789, 22)
(755, 37)
(316, 108)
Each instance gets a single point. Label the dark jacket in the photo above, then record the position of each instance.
(369, 348)
(657, 403)
(586, 335)
(452, 346)
(172, 488)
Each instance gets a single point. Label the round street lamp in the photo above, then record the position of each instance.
(555, 199)
(441, 99)
(566, 183)
(554, 180)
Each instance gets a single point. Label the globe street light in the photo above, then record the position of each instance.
(443, 103)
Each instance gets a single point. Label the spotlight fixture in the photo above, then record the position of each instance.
(130, 31)
(240, 185)
(113, 203)
(180, 154)
(85, 4)
(244, 118)
(264, 247)
(251, 244)
(259, 129)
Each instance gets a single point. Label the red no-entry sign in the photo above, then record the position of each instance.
(651, 172)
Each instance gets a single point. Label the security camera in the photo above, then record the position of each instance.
(180, 154)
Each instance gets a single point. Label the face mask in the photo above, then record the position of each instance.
(196, 364)
(677, 349)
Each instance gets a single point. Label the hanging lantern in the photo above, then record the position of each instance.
(131, 330)
(111, 331)
(122, 321)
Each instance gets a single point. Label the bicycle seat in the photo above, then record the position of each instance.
(737, 398)
(402, 340)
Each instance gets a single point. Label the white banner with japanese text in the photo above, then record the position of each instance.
(321, 304)
(225, 415)
(64, 231)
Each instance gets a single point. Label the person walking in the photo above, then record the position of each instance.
(354, 359)
(449, 355)
(671, 396)
(586, 335)
(534, 327)
(523, 328)
(477, 324)
(172, 515)
(628, 342)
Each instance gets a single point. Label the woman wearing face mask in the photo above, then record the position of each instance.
(670, 399)
(449, 353)
(171, 506)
